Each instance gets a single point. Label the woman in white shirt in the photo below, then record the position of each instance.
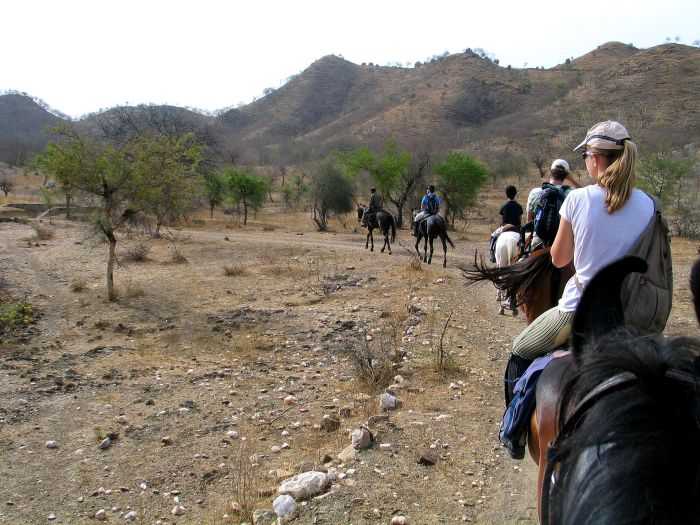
(599, 224)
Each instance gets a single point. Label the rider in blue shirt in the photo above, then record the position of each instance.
(429, 205)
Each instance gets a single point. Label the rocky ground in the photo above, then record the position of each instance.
(237, 358)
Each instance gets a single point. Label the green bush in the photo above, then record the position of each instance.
(15, 314)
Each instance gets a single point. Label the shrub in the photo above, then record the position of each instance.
(77, 286)
(15, 314)
(235, 269)
(137, 252)
(41, 231)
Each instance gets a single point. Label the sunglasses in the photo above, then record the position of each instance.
(587, 154)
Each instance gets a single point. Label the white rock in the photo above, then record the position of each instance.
(275, 449)
(361, 438)
(290, 400)
(387, 401)
(52, 444)
(398, 520)
(348, 454)
(232, 434)
(284, 505)
(130, 516)
(101, 515)
(105, 443)
(183, 410)
(122, 419)
(454, 386)
(178, 510)
(304, 485)
(143, 485)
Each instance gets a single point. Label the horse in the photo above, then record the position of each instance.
(383, 221)
(429, 228)
(506, 252)
(619, 425)
(534, 282)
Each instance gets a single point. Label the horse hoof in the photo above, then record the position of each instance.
(515, 313)
(501, 311)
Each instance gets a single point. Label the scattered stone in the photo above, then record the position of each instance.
(51, 517)
(377, 418)
(232, 434)
(263, 517)
(329, 424)
(178, 510)
(304, 485)
(348, 454)
(166, 440)
(290, 400)
(284, 506)
(385, 445)
(399, 520)
(52, 444)
(361, 438)
(428, 458)
(387, 402)
(105, 444)
(275, 449)
(130, 516)
(101, 515)
(369, 337)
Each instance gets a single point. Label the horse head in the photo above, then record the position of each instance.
(628, 418)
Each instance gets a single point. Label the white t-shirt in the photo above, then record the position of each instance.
(600, 237)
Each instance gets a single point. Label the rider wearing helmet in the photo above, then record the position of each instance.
(429, 205)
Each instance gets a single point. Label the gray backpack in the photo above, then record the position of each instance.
(647, 298)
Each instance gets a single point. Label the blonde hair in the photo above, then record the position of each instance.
(619, 177)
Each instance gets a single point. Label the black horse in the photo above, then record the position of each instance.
(429, 228)
(381, 220)
(627, 446)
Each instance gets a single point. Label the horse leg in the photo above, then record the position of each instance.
(425, 249)
(430, 259)
(499, 298)
(370, 236)
(444, 251)
(369, 232)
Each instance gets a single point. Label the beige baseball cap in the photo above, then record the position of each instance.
(605, 135)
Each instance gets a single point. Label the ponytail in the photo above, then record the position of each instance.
(618, 179)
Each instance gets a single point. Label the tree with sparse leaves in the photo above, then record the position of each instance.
(121, 176)
(332, 191)
(458, 178)
(245, 189)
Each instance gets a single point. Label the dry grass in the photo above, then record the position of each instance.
(137, 252)
(234, 269)
(41, 231)
(77, 286)
(130, 290)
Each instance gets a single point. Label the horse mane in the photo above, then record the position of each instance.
(519, 280)
(634, 456)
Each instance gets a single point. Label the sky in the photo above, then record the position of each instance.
(80, 56)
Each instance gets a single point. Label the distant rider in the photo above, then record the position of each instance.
(375, 204)
(429, 205)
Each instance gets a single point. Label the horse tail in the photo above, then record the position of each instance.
(393, 228)
(520, 280)
(449, 240)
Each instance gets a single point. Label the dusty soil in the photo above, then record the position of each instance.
(193, 350)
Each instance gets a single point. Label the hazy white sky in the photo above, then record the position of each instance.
(83, 55)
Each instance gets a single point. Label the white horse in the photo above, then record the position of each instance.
(507, 254)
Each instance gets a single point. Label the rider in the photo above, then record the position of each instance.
(429, 205)
(558, 174)
(375, 204)
(511, 213)
(599, 223)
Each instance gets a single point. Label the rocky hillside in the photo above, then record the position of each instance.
(455, 101)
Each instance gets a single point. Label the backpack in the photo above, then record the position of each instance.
(432, 204)
(647, 298)
(546, 219)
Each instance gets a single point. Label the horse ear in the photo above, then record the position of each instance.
(600, 309)
(695, 287)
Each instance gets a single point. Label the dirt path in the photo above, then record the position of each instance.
(195, 350)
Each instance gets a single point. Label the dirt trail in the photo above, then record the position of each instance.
(195, 350)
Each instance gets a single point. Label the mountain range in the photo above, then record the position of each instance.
(461, 101)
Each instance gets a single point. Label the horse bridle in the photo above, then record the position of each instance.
(613, 384)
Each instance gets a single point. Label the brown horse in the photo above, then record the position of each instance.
(537, 286)
(534, 281)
